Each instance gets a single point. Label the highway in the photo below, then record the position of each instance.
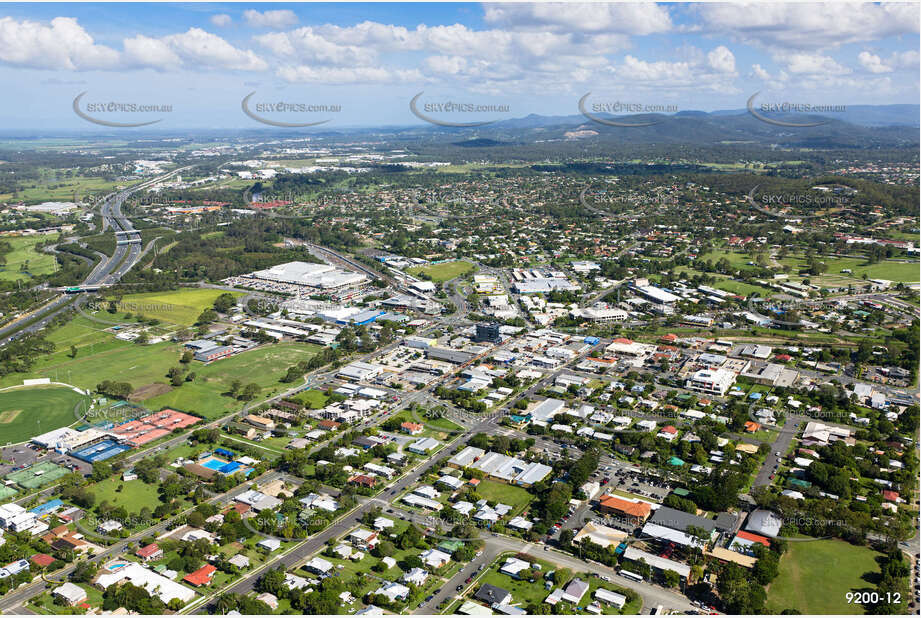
(107, 272)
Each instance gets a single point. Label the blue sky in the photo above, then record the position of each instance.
(371, 59)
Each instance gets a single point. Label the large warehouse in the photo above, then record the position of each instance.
(320, 276)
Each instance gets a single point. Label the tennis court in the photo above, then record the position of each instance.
(100, 451)
(38, 475)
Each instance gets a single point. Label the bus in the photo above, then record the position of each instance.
(630, 575)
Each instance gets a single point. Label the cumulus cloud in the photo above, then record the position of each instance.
(276, 20)
(346, 75)
(872, 63)
(722, 60)
(632, 18)
(306, 45)
(201, 48)
(803, 26)
(62, 44)
(812, 64)
(221, 20)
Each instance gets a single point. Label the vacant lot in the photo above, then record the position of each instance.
(29, 411)
(133, 495)
(815, 576)
(516, 497)
(439, 273)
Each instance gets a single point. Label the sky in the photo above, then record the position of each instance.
(363, 63)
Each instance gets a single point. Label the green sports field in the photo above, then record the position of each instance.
(815, 576)
(100, 356)
(264, 366)
(181, 307)
(439, 273)
(29, 411)
(25, 261)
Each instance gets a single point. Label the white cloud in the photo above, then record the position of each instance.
(346, 75)
(802, 26)
(221, 20)
(620, 18)
(306, 45)
(904, 60)
(812, 64)
(446, 65)
(276, 20)
(203, 49)
(144, 51)
(722, 60)
(63, 44)
(872, 63)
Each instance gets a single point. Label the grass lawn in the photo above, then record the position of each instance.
(631, 608)
(180, 307)
(740, 287)
(270, 446)
(100, 356)
(24, 261)
(29, 411)
(523, 592)
(516, 497)
(765, 435)
(51, 187)
(264, 366)
(894, 271)
(439, 273)
(815, 576)
(134, 495)
(438, 428)
(313, 398)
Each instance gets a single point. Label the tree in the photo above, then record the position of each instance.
(250, 391)
(224, 302)
(235, 387)
(187, 357)
(671, 578)
(84, 572)
(73, 351)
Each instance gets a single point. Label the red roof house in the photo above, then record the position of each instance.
(42, 560)
(150, 552)
(201, 577)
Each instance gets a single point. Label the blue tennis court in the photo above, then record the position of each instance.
(100, 451)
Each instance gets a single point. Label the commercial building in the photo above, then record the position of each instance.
(660, 301)
(501, 467)
(657, 562)
(605, 536)
(635, 512)
(711, 381)
(488, 333)
(318, 276)
(600, 314)
(359, 371)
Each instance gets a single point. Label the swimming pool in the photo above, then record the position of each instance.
(116, 566)
(213, 463)
(224, 467)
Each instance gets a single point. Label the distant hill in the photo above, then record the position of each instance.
(879, 127)
(478, 142)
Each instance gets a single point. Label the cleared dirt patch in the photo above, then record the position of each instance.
(8, 416)
(151, 390)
